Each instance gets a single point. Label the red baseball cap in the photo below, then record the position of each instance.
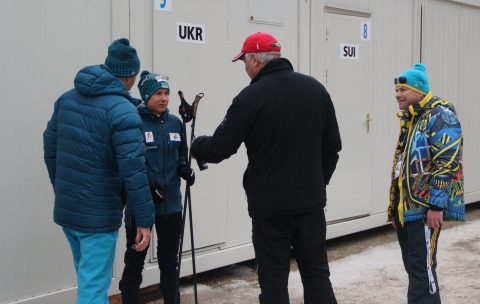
(258, 43)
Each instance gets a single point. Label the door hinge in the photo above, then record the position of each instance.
(327, 32)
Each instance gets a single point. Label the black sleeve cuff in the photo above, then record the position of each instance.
(194, 149)
(435, 208)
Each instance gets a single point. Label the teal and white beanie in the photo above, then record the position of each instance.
(150, 83)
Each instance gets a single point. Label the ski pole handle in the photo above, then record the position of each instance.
(195, 103)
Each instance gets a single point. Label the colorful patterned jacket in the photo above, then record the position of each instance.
(428, 158)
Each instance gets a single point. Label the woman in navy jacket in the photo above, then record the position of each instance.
(165, 159)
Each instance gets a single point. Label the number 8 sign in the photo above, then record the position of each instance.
(365, 31)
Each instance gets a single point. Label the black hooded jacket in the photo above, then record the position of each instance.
(287, 121)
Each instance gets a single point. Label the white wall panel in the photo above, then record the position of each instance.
(43, 45)
(468, 105)
(450, 52)
(393, 26)
(440, 47)
(470, 2)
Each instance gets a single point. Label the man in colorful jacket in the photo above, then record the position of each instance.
(94, 153)
(427, 179)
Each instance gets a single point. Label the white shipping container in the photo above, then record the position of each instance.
(354, 47)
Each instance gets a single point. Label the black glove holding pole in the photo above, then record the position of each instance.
(185, 110)
(189, 112)
(187, 174)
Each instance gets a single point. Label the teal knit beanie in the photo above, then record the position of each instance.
(415, 79)
(122, 59)
(150, 83)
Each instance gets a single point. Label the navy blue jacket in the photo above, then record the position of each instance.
(92, 144)
(165, 152)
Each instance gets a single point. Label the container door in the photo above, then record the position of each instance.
(348, 82)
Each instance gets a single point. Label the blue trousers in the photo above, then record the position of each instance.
(93, 255)
(273, 239)
(419, 261)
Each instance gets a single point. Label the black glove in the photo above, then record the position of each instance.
(187, 174)
(185, 110)
(157, 191)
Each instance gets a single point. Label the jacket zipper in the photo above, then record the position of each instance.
(163, 167)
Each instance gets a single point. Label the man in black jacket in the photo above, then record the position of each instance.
(287, 122)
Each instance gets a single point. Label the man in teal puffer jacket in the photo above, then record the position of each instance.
(94, 154)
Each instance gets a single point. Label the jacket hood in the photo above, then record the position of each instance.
(272, 66)
(431, 102)
(428, 103)
(98, 80)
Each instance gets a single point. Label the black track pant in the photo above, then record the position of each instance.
(273, 239)
(419, 254)
(168, 235)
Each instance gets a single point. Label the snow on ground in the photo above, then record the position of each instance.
(377, 275)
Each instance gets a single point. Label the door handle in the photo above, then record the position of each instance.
(368, 122)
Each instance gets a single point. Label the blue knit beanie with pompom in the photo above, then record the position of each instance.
(415, 79)
(122, 59)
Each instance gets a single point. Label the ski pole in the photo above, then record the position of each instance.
(188, 112)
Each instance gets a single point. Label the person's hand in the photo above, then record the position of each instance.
(434, 218)
(185, 110)
(142, 239)
(394, 225)
(187, 174)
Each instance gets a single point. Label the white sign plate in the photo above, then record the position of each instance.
(365, 31)
(349, 51)
(190, 33)
(163, 5)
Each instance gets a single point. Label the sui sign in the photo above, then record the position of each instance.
(349, 51)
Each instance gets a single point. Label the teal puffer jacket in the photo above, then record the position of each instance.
(92, 144)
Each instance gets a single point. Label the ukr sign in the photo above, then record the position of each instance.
(190, 33)
(349, 51)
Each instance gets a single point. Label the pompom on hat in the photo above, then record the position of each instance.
(150, 83)
(415, 79)
(258, 43)
(122, 59)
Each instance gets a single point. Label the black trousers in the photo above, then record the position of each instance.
(168, 233)
(419, 254)
(273, 239)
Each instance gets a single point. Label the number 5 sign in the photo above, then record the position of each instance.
(163, 5)
(365, 31)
